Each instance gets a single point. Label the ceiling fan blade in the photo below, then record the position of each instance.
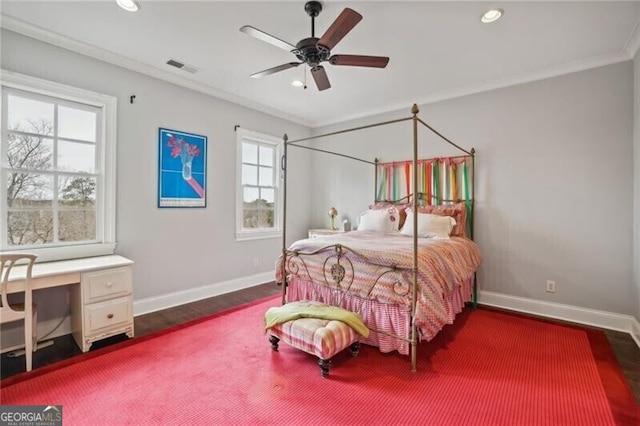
(340, 27)
(261, 35)
(276, 69)
(320, 77)
(360, 60)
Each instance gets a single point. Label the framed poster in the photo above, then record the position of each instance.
(182, 169)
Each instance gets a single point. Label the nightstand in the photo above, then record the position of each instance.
(315, 233)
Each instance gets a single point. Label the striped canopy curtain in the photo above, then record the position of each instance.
(441, 181)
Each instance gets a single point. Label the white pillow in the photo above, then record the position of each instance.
(429, 225)
(379, 220)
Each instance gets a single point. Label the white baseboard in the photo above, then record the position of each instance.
(156, 303)
(576, 314)
(635, 332)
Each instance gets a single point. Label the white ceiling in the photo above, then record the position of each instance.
(438, 50)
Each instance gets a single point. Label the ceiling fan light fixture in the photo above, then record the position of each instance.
(129, 5)
(491, 15)
(297, 83)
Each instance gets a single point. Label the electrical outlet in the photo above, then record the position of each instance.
(256, 263)
(551, 286)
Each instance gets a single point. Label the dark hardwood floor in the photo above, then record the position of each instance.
(626, 350)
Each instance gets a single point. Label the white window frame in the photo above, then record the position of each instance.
(105, 167)
(258, 234)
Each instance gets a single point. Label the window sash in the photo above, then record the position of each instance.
(261, 164)
(103, 173)
(57, 175)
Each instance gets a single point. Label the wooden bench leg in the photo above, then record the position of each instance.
(355, 348)
(324, 366)
(274, 342)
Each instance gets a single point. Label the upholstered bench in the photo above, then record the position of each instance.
(322, 337)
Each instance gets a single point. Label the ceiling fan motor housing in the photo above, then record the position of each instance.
(308, 52)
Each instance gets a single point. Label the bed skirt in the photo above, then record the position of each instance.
(390, 318)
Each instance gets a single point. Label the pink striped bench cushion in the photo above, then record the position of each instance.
(319, 337)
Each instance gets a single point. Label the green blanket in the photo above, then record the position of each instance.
(309, 309)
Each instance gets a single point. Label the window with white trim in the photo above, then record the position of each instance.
(57, 169)
(258, 198)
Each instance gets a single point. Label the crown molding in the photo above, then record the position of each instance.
(555, 71)
(12, 24)
(633, 43)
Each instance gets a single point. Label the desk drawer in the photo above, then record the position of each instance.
(112, 313)
(101, 285)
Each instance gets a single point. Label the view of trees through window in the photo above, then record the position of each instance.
(51, 185)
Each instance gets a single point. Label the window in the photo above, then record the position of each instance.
(258, 190)
(57, 169)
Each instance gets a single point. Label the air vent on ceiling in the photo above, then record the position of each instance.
(175, 63)
(185, 67)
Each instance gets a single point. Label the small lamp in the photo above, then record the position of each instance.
(332, 214)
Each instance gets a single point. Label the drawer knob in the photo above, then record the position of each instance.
(109, 284)
(110, 316)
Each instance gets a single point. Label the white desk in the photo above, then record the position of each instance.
(101, 293)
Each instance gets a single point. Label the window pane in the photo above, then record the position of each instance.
(76, 124)
(266, 176)
(77, 225)
(26, 190)
(76, 157)
(77, 191)
(250, 219)
(249, 153)
(266, 156)
(29, 152)
(250, 195)
(265, 219)
(249, 175)
(29, 227)
(28, 115)
(268, 195)
(261, 218)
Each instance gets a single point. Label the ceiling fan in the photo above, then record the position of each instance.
(313, 51)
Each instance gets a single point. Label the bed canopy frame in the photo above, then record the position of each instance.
(415, 120)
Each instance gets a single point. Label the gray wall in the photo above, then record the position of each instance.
(174, 249)
(554, 182)
(636, 192)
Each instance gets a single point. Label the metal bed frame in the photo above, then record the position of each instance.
(336, 253)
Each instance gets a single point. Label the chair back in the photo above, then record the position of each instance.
(7, 262)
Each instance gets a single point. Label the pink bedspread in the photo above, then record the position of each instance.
(368, 270)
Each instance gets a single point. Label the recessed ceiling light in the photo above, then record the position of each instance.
(129, 5)
(492, 15)
(297, 83)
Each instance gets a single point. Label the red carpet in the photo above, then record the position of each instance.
(490, 368)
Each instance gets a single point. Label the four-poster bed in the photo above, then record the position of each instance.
(405, 289)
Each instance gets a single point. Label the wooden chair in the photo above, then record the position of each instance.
(20, 311)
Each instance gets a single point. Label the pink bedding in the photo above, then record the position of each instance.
(366, 271)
